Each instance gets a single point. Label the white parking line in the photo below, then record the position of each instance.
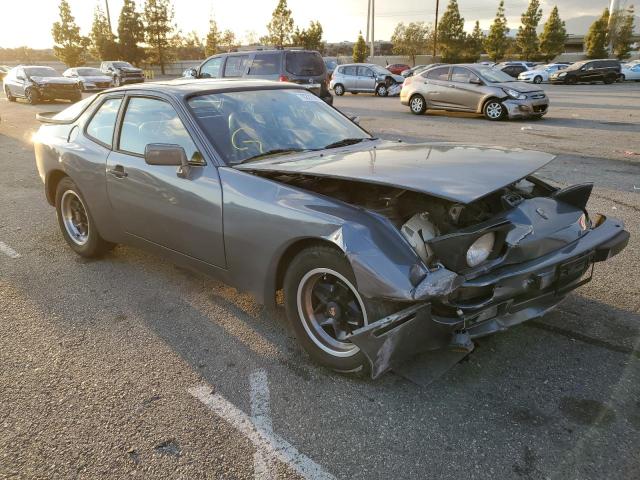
(261, 417)
(258, 431)
(8, 251)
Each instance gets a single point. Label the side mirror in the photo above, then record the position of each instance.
(167, 154)
(475, 81)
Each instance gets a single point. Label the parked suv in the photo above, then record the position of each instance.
(35, 84)
(473, 88)
(363, 77)
(304, 67)
(122, 72)
(607, 71)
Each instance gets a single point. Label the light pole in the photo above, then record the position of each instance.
(373, 31)
(106, 2)
(435, 33)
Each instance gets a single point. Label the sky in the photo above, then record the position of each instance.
(340, 19)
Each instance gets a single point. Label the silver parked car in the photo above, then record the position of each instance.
(363, 77)
(473, 88)
(89, 78)
(382, 249)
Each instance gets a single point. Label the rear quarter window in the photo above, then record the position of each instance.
(304, 63)
(265, 64)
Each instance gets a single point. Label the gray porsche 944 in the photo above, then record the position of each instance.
(382, 249)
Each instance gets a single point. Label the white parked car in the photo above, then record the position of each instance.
(542, 73)
(89, 78)
(630, 71)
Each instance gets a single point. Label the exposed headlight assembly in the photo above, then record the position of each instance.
(480, 250)
(515, 94)
(562, 74)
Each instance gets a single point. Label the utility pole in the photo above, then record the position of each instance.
(106, 2)
(435, 33)
(368, 19)
(614, 19)
(373, 28)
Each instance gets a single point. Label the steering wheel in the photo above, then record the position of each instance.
(242, 145)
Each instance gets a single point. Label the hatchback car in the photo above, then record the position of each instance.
(363, 78)
(541, 74)
(381, 249)
(89, 79)
(35, 84)
(303, 67)
(606, 71)
(473, 88)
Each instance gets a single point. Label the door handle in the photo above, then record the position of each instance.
(118, 171)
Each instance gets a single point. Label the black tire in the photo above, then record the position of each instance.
(609, 79)
(571, 81)
(32, 96)
(94, 245)
(382, 90)
(320, 261)
(116, 81)
(338, 89)
(494, 110)
(417, 104)
(537, 79)
(10, 97)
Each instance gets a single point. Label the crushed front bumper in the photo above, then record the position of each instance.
(510, 295)
(526, 108)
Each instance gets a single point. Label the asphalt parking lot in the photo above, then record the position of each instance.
(130, 366)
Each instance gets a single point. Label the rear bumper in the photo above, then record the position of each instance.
(511, 295)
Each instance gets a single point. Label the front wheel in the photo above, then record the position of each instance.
(494, 110)
(338, 90)
(381, 90)
(417, 105)
(10, 97)
(76, 223)
(324, 307)
(116, 81)
(32, 96)
(537, 79)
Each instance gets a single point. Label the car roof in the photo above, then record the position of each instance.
(183, 87)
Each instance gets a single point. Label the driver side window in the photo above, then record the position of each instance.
(211, 69)
(149, 120)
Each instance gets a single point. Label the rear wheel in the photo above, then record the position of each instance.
(10, 97)
(324, 307)
(417, 104)
(76, 223)
(494, 110)
(609, 79)
(338, 90)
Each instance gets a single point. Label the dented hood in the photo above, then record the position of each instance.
(455, 172)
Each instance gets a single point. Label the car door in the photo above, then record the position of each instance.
(151, 202)
(235, 66)
(19, 82)
(212, 68)
(460, 92)
(350, 78)
(435, 83)
(366, 80)
(589, 72)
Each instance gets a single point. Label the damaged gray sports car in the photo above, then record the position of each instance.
(382, 249)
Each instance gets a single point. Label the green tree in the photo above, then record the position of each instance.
(214, 38)
(228, 41)
(595, 42)
(359, 50)
(309, 38)
(474, 44)
(412, 39)
(187, 47)
(69, 46)
(281, 25)
(553, 36)
(130, 33)
(527, 36)
(158, 20)
(103, 41)
(451, 35)
(621, 41)
(496, 43)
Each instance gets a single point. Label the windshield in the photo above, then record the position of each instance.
(380, 70)
(122, 64)
(492, 75)
(41, 72)
(247, 124)
(88, 71)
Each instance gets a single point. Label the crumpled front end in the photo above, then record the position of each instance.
(547, 249)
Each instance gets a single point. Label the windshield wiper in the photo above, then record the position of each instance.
(275, 151)
(346, 141)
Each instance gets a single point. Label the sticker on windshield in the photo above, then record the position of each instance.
(307, 97)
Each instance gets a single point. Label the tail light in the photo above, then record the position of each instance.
(283, 78)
